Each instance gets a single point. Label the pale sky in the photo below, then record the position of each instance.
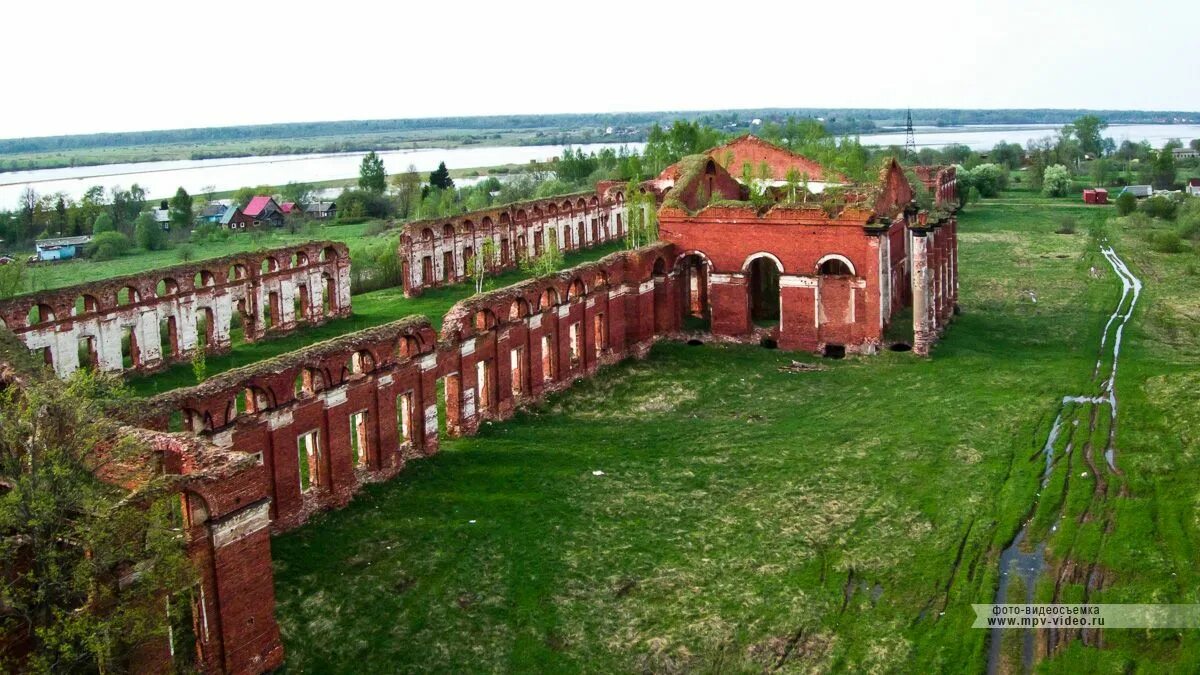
(125, 65)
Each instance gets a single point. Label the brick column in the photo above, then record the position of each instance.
(730, 307)
(922, 335)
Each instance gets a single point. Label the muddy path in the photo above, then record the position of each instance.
(1075, 428)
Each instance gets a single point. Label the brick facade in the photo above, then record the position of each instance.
(435, 252)
(145, 322)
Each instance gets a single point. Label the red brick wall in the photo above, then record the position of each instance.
(848, 307)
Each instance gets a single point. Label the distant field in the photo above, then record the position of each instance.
(440, 138)
(752, 520)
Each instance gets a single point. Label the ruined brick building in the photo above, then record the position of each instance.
(267, 445)
(144, 322)
(822, 266)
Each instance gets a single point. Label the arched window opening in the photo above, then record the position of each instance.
(549, 298)
(834, 267)
(128, 295)
(361, 362)
(484, 320)
(39, 314)
(84, 304)
(308, 382)
(408, 347)
(518, 310)
(576, 291)
(203, 279)
(166, 288)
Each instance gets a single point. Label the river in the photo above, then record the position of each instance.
(160, 179)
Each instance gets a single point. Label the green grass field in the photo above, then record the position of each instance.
(749, 519)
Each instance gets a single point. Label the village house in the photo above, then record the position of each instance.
(234, 219)
(264, 210)
(1193, 187)
(162, 215)
(321, 210)
(214, 211)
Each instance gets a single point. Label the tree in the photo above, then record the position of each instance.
(180, 212)
(1195, 144)
(1101, 171)
(104, 223)
(70, 540)
(550, 260)
(1009, 155)
(12, 278)
(297, 193)
(60, 214)
(1126, 203)
(1087, 132)
(478, 264)
(1164, 169)
(440, 178)
(243, 195)
(148, 234)
(371, 175)
(408, 191)
(1057, 181)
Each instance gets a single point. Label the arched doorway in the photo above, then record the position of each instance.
(693, 291)
(764, 274)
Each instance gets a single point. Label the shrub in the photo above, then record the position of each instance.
(1066, 225)
(1126, 204)
(186, 253)
(989, 179)
(360, 203)
(108, 245)
(1167, 242)
(1056, 182)
(149, 235)
(1159, 206)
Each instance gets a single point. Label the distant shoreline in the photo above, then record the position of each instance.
(309, 138)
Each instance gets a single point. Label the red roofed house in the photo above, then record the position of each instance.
(824, 270)
(1193, 187)
(291, 209)
(263, 210)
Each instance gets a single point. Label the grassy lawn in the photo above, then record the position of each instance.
(370, 309)
(749, 520)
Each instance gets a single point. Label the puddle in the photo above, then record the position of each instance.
(1029, 564)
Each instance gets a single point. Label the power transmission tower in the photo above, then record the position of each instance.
(910, 138)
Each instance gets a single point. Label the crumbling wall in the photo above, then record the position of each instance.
(934, 280)
(435, 252)
(145, 322)
(226, 530)
(330, 417)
